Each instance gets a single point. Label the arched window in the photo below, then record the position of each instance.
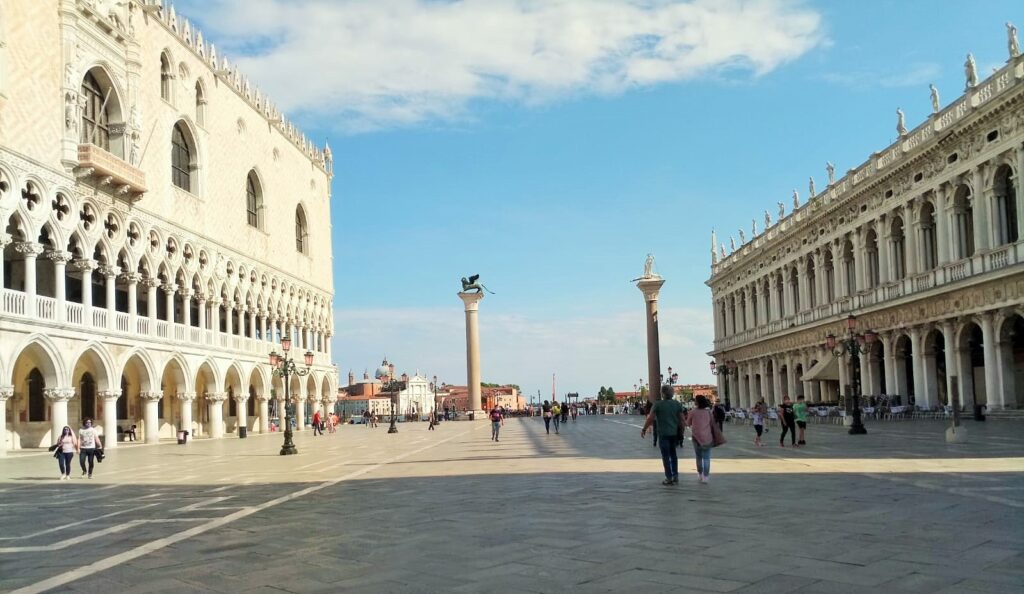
(929, 243)
(200, 103)
(253, 200)
(1005, 206)
(766, 298)
(95, 116)
(812, 283)
(899, 249)
(182, 158)
(794, 288)
(165, 77)
(963, 222)
(301, 244)
(36, 401)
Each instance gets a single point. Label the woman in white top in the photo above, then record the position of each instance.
(67, 445)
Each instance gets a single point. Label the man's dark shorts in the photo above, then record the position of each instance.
(801, 424)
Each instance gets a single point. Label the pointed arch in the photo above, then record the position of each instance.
(96, 357)
(46, 356)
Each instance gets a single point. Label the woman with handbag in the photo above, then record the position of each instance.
(67, 445)
(702, 425)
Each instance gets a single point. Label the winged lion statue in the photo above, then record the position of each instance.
(473, 284)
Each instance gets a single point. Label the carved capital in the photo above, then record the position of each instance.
(84, 265)
(58, 394)
(6, 393)
(110, 271)
(109, 395)
(151, 396)
(132, 278)
(265, 397)
(151, 283)
(216, 397)
(186, 396)
(169, 288)
(28, 248)
(59, 256)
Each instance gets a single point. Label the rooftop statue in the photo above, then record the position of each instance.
(721, 250)
(732, 244)
(474, 284)
(936, 105)
(831, 169)
(767, 220)
(782, 210)
(971, 71)
(743, 237)
(649, 272)
(901, 123)
(796, 199)
(810, 188)
(753, 228)
(1012, 44)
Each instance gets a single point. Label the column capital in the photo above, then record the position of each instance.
(109, 395)
(186, 293)
(264, 397)
(217, 397)
(59, 256)
(110, 271)
(214, 301)
(59, 394)
(28, 248)
(200, 296)
(650, 287)
(471, 300)
(151, 283)
(132, 278)
(5, 238)
(6, 393)
(169, 288)
(84, 264)
(241, 397)
(186, 396)
(151, 396)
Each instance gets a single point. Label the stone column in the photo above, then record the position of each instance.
(650, 286)
(790, 378)
(242, 418)
(186, 399)
(132, 279)
(917, 361)
(272, 337)
(948, 338)
(993, 391)
(110, 274)
(982, 211)
(60, 259)
(151, 415)
(201, 306)
(720, 380)
(263, 326)
(30, 250)
(1017, 179)
(186, 309)
(472, 308)
(86, 266)
(766, 390)
(151, 285)
(751, 384)
(169, 290)
(5, 239)
(844, 374)
(58, 398)
(885, 251)
(252, 323)
(110, 418)
(912, 234)
(299, 399)
(229, 310)
(865, 373)
(264, 400)
(777, 364)
(889, 360)
(216, 404)
(943, 239)
(6, 393)
(214, 303)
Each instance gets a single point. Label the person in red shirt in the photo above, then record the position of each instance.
(317, 427)
(497, 420)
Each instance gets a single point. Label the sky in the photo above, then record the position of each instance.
(549, 146)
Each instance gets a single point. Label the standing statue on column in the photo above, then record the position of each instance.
(1011, 40)
(901, 123)
(971, 71)
(936, 106)
(831, 170)
(796, 199)
(810, 188)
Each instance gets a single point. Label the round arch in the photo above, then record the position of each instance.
(94, 358)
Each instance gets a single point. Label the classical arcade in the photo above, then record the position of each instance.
(164, 226)
(922, 243)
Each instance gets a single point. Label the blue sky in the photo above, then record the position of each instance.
(551, 146)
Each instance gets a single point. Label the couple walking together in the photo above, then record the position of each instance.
(669, 419)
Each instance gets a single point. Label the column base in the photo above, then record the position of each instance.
(956, 435)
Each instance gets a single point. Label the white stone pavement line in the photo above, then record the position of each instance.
(970, 493)
(67, 542)
(202, 505)
(162, 543)
(66, 526)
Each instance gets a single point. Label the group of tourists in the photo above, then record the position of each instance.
(322, 423)
(87, 444)
(558, 414)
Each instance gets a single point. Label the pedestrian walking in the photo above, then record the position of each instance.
(89, 447)
(317, 427)
(788, 421)
(366, 418)
(758, 414)
(67, 445)
(547, 413)
(497, 421)
(667, 417)
(565, 413)
(699, 420)
(800, 413)
(574, 412)
(718, 412)
(556, 414)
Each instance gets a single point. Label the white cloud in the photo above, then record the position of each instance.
(393, 62)
(585, 352)
(913, 75)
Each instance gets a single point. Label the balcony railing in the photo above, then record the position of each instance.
(998, 259)
(108, 169)
(14, 303)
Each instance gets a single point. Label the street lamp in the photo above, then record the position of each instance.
(855, 345)
(284, 367)
(392, 386)
(730, 368)
(436, 406)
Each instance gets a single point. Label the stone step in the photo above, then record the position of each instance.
(1006, 415)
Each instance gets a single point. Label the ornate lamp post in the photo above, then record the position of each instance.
(391, 386)
(436, 405)
(284, 367)
(730, 368)
(855, 345)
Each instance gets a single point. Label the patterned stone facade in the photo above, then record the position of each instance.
(164, 228)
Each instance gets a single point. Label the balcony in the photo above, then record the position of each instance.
(108, 170)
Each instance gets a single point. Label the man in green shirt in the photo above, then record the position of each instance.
(800, 412)
(667, 416)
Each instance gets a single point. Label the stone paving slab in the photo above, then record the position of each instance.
(451, 511)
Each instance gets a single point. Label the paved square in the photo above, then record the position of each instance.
(451, 511)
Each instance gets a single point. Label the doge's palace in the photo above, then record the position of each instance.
(922, 243)
(164, 227)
